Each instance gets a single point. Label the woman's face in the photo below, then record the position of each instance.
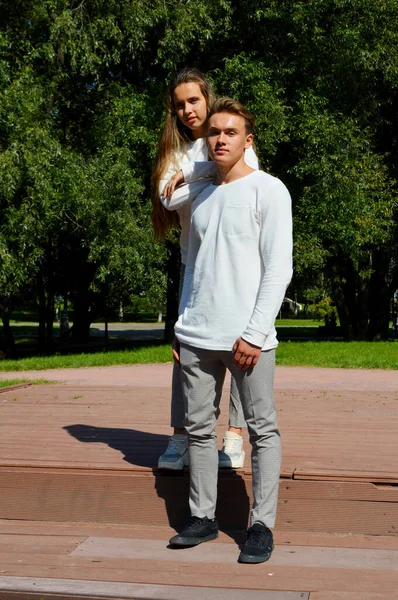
(191, 108)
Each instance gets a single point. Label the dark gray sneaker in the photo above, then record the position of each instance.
(196, 531)
(259, 544)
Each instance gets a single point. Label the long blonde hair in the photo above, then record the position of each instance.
(173, 136)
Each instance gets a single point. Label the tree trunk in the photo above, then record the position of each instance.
(81, 315)
(342, 295)
(173, 283)
(46, 316)
(7, 345)
(351, 294)
(362, 311)
(345, 326)
(382, 289)
(42, 314)
(49, 319)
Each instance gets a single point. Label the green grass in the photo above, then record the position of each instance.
(142, 355)
(346, 355)
(8, 382)
(350, 355)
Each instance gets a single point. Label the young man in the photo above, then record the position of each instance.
(239, 265)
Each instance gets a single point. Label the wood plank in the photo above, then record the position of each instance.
(319, 563)
(351, 596)
(53, 544)
(152, 498)
(57, 479)
(338, 558)
(229, 575)
(19, 588)
(374, 518)
(346, 474)
(325, 489)
(77, 425)
(84, 530)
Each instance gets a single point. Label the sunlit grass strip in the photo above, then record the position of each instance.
(346, 355)
(142, 355)
(349, 355)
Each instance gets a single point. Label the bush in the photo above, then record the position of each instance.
(322, 311)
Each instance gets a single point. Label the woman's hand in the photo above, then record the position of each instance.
(175, 347)
(174, 181)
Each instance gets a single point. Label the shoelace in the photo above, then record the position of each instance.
(230, 445)
(174, 446)
(258, 538)
(192, 521)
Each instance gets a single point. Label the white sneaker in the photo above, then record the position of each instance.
(175, 456)
(231, 454)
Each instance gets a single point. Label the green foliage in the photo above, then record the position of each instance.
(81, 87)
(347, 200)
(73, 206)
(322, 310)
(247, 79)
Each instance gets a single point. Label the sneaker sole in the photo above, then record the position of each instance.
(254, 559)
(233, 465)
(177, 466)
(194, 541)
(251, 559)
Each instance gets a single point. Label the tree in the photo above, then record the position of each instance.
(81, 86)
(332, 77)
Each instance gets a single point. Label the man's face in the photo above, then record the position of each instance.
(227, 139)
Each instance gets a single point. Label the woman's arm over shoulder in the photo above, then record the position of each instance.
(193, 171)
(185, 194)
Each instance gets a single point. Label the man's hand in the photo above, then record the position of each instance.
(245, 355)
(175, 346)
(174, 181)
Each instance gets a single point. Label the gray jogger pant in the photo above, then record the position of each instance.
(236, 417)
(203, 373)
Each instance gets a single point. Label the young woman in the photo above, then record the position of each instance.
(181, 144)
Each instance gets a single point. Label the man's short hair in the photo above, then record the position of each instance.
(228, 105)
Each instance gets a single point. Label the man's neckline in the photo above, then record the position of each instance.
(235, 180)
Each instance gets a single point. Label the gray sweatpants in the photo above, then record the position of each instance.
(236, 418)
(202, 374)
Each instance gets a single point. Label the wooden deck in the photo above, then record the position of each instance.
(52, 560)
(83, 508)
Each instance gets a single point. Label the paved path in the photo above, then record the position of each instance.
(287, 378)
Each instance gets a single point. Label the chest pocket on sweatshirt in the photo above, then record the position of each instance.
(236, 220)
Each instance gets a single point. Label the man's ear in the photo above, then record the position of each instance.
(249, 141)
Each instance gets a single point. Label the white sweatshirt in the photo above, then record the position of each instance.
(239, 263)
(197, 171)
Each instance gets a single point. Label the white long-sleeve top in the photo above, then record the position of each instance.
(198, 170)
(239, 263)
